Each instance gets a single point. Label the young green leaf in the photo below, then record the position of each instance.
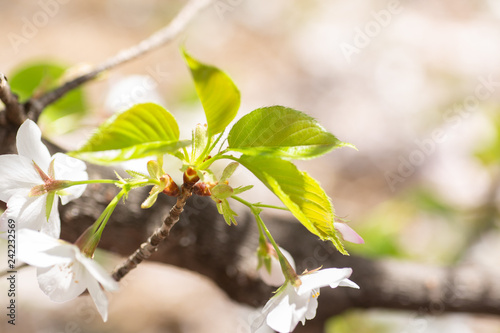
(200, 141)
(143, 130)
(303, 196)
(154, 169)
(218, 94)
(226, 211)
(242, 189)
(136, 174)
(281, 132)
(33, 79)
(228, 171)
(222, 191)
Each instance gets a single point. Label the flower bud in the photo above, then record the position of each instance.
(202, 189)
(88, 241)
(190, 176)
(269, 266)
(171, 187)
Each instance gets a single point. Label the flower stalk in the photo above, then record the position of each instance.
(88, 241)
(286, 267)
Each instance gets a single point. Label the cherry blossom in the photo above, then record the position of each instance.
(32, 181)
(275, 276)
(296, 302)
(63, 271)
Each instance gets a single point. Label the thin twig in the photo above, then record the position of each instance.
(159, 38)
(151, 245)
(14, 112)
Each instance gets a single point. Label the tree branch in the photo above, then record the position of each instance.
(202, 242)
(151, 245)
(32, 109)
(13, 111)
(159, 38)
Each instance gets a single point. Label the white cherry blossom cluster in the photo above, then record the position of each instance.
(31, 184)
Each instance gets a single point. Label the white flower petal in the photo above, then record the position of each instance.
(74, 192)
(41, 250)
(69, 168)
(100, 299)
(300, 308)
(288, 309)
(27, 212)
(348, 283)
(29, 144)
(18, 174)
(62, 282)
(52, 227)
(311, 308)
(275, 300)
(276, 277)
(12, 213)
(293, 305)
(280, 315)
(63, 272)
(36, 240)
(30, 212)
(325, 277)
(271, 304)
(98, 273)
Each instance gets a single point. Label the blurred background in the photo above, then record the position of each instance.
(414, 85)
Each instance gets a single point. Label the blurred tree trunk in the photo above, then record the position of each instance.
(201, 241)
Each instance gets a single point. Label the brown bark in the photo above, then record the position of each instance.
(202, 242)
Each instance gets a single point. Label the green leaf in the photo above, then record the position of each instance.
(218, 94)
(48, 204)
(136, 174)
(143, 130)
(153, 195)
(226, 211)
(228, 171)
(242, 189)
(222, 191)
(200, 141)
(154, 169)
(33, 79)
(302, 194)
(281, 132)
